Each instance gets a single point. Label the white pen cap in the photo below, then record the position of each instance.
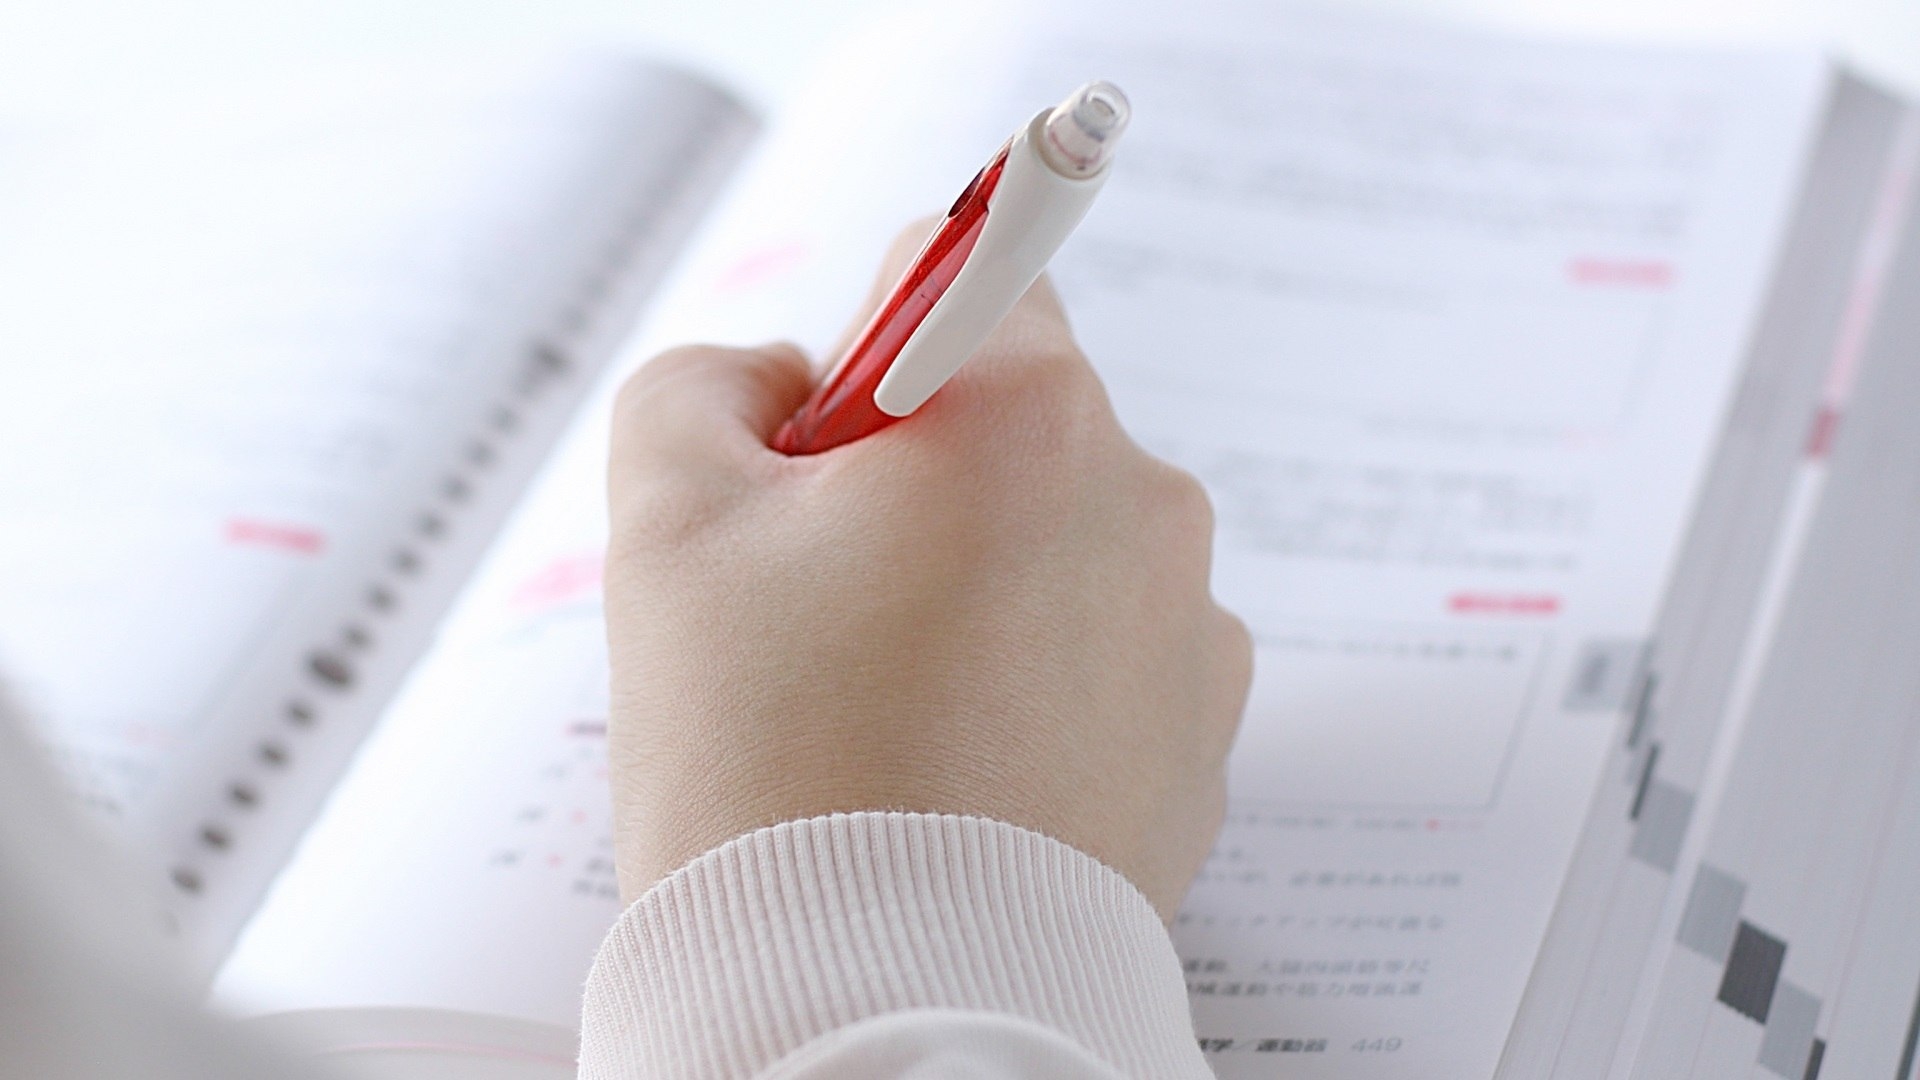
(1080, 133)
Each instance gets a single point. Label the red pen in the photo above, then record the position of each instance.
(995, 241)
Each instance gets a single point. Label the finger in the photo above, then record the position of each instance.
(1236, 653)
(705, 407)
(1036, 326)
(900, 255)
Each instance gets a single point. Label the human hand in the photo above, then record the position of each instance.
(999, 607)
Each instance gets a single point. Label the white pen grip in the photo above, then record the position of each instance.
(1031, 213)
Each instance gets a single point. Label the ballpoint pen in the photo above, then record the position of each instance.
(994, 242)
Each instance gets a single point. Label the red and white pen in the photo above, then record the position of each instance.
(995, 241)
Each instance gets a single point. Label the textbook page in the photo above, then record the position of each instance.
(243, 332)
(1447, 323)
(465, 861)
(1455, 339)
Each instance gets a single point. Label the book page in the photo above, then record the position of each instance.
(465, 862)
(1786, 946)
(289, 375)
(1446, 322)
(238, 327)
(1455, 334)
(1765, 489)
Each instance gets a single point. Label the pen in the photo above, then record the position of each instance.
(994, 242)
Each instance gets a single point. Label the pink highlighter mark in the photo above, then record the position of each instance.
(1488, 603)
(280, 536)
(562, 581)
(761, 265)
(1826, 424)
(1620, 273)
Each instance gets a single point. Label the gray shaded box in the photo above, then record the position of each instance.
(1713, 913)
(1788, 1042)
(1753, 972)
(1605, 675)
(1639, 764)
(1661, 826)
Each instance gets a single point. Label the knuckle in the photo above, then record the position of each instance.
(915, 232)
(1183, 502)
(1237, 657)
(906, 243)
(632, 396)
(1069, 392)
(1238, 648)
(1055, 372)
(641, 389)
(1047, 397)
(1064, 384)
(677, 362)
(1216, 804)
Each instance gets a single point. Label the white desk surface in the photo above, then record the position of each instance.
(80, 54)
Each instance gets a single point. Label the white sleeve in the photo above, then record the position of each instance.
(889, 945)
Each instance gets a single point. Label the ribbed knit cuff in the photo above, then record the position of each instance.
(778, 937)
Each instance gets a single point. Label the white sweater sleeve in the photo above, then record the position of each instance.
(889, 945)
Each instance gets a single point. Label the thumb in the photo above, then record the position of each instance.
(704, 408)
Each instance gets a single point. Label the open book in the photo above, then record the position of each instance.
(1554, 398)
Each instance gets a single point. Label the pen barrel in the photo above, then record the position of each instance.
(1033, 211)
(842, 408)
(993, 244)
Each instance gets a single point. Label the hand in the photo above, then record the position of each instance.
(999, 607)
